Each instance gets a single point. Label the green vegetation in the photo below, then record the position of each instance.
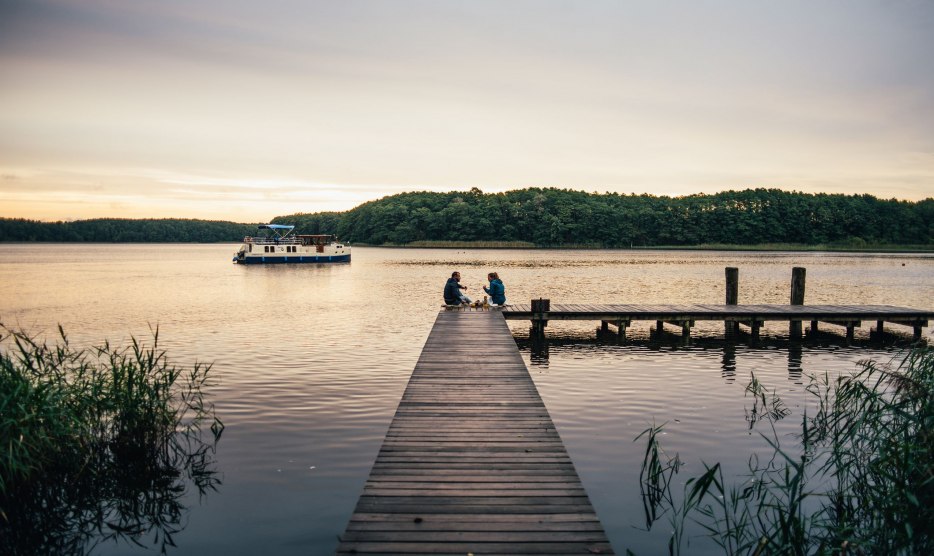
(120, 230)
(557, 217)
(765, 218)
(472, 244)
(860, 482)
(97, 444)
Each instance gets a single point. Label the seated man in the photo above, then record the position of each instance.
(452, 290)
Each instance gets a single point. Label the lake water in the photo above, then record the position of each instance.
(311, 361)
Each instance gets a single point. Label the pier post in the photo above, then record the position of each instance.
(797, 298)
(731, 328)
(621, 326)
(540, 309)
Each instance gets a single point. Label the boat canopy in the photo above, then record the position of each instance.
(281, 230)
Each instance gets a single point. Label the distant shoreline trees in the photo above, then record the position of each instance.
(561, 217)
(124, 230)
(554, 218)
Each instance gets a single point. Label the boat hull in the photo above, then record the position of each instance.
(294, 259)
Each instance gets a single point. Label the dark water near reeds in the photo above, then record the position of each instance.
(312, 360)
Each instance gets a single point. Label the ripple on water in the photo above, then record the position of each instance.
(310, 361)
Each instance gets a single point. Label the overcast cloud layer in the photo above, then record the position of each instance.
(246, 110)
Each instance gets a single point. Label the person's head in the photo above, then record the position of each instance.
(456, 275)
(492, 276)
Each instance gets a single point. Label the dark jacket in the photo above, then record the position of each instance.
(452, 292)
(497, 291)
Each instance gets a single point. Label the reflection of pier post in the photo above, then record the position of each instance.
(731, 328)
(540, 309)
(539, 351)
(797, 298)
(728, 364)
(794, 362)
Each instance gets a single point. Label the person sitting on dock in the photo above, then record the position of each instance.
(497, 290)
(452, 290)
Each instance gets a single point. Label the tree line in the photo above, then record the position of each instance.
(123, 230)
(561, 217)
(553, 218)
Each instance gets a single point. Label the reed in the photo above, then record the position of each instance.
(472, 244)
(97, 443)
(858, 480)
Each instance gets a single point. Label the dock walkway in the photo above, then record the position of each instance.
(472, 463)
(754, 316)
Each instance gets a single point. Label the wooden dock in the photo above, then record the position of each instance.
(472, 463)
(754, 316)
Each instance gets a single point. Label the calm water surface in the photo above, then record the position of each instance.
(312, 360)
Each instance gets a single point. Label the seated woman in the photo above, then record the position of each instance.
(497, 290)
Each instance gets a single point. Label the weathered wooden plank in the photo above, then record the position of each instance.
(478, 547)
(485, 537)
(472, 461)
(754, 314)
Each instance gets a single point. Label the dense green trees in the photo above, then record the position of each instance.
(556, 217)
(120, 230)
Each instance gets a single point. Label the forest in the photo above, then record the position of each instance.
(124, 230)
(561, 217)
(554, 218)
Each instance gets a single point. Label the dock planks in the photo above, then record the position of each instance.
(846, 315)
(722, 312)
(472, 462)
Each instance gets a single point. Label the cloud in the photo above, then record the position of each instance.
(241, 107)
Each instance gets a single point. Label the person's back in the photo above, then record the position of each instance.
(497, 292)
(452, 292)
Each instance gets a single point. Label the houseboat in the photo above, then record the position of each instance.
(281, 246)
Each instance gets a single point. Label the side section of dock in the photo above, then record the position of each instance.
(472, 462)
(684, 316)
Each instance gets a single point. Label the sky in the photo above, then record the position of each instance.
(235, 110)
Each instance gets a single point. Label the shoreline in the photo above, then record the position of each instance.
(486, 245)
(757, 247)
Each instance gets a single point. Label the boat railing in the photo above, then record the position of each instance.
(272, 240)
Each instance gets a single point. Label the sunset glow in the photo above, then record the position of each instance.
(244, 111)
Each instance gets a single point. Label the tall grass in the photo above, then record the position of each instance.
(858, 480)
(98, 444)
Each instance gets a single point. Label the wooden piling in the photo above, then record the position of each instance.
(732, 285)
(731, 328)
(539, 315)
(797, 298)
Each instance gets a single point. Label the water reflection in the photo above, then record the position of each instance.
(122, 496)
(538, 344)
(794, 362)
(728, 364)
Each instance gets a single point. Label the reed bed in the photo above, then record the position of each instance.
(472, 244)
(858, 480)
(98, 444)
